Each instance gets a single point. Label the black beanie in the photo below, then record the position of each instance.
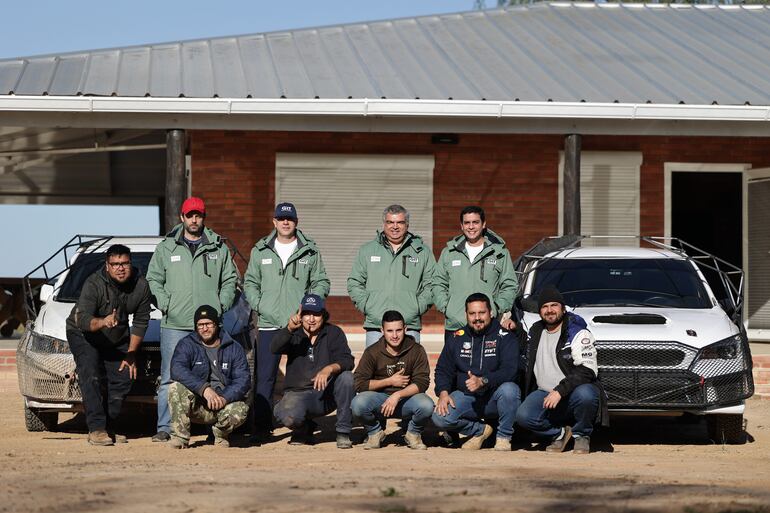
(206, 312)
(549, 294)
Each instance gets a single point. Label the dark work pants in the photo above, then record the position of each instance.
(298, 406)
(266, 370)
(94, 363)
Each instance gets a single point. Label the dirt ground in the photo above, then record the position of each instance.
(638, 465)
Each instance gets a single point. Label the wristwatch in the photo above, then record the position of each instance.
(484, 381)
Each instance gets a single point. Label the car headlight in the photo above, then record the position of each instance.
(726, 349)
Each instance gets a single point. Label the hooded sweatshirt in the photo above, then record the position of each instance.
(377, 363)
(457, 277)
(382, 280)
(275, 291)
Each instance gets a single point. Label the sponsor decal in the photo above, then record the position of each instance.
(374, 259)
(466, 345)
(490, 343)
(586, 341)
(587, 354)
(455, 263)
(267, 261)
(176, 258)
(413, 260)
(213, 256)
(459, 333)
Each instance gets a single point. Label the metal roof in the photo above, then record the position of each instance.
(560, 52)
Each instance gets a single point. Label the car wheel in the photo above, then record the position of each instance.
(726, 429)
(37, 420)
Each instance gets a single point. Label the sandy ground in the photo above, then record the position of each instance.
(639, 465)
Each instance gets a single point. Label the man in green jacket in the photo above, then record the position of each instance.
(283, 267)
(475, 261)
(392, 272)
(191, 266)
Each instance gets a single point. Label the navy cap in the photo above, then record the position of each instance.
(206, 312)
(312, 303)
(285, 210)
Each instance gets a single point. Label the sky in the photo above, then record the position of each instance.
(53, 26)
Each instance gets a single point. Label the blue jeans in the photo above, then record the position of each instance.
(266, 370)
(297, 406)
(470, 409)
(577, 409)
(416, 409)
(168, 341)
(373, 336)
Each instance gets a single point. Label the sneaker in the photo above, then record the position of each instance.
(375, 441)
(475, 443)
(119, 439)
(582, 445)
(221, 442)
(502, 444)
(176, 443)
(99, 437)
(343, 441)
(561, 442)
(414, 441)
(161, 436)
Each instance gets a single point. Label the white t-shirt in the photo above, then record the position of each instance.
(547, 371)
(285, 250)
(473, 251)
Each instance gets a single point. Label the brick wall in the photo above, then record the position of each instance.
(514, 177)
(7, 360)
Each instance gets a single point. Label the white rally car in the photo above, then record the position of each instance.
(46, 368)
(666, 342)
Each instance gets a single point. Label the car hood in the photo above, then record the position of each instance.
(693, 327)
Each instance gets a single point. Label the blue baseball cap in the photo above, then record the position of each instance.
(285, 210)
(312, 303)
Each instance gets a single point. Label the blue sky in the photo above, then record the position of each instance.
(55, 26)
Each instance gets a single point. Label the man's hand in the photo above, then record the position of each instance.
(508, 324)
(390, 404)
(129, 361)
(295, 321)
(551, 400)
(213, 400)
(321, 379)
(444, 402)
(111, 320)
(473, 383)
(399, 380)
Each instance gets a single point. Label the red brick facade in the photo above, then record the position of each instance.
(514, 177)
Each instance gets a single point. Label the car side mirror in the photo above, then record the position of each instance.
(46, 292)
(727, 306)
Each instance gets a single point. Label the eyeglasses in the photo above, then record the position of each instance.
(115, 265)
(205, 325)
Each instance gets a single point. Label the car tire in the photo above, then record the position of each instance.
(37, 420)
(726, 428)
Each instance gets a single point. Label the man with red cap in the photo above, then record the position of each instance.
(190, 267)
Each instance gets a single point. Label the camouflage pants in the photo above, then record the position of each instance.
(187, 407)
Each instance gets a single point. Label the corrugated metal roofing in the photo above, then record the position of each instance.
(563, 52)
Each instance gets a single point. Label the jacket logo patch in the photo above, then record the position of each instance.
(491, 261)
(374, 259)
(459, 333)
(586, 341)
(267, 261)
(198, 363)
(466, 345)
(394, 367)
(302, 261)
(413, 260)
(224, 366)
(176, 258)
(455, 263)
(213, 256)
(490, 344)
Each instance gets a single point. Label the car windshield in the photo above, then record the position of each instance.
(86, 265)
(655, 282)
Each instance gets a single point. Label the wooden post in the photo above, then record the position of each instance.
(572, 144)
(176, 188)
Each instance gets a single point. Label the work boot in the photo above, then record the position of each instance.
(220, 441)
(99, 437)
(343, 441)
(177, 443)
(582, 445)
(161, 436)
(414, 441)
(475, 443)
(119, 439)
(502, 444)
(375, 441)
(302, 435)
(560, 443)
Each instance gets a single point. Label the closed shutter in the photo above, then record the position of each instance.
(759, 254)
(609, 196)
(340, 199)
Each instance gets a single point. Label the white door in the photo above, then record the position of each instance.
(758, 245)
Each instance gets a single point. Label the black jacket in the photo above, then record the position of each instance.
(100, 295)
(331, 346)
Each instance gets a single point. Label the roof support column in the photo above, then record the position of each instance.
(176, 186)
(572, 147)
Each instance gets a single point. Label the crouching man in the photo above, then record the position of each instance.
(563, 394)
(211, 379)
(318, 373)
(474, 378)
(391, 380)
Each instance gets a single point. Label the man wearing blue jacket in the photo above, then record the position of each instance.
(211, 379)
(475, 378)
